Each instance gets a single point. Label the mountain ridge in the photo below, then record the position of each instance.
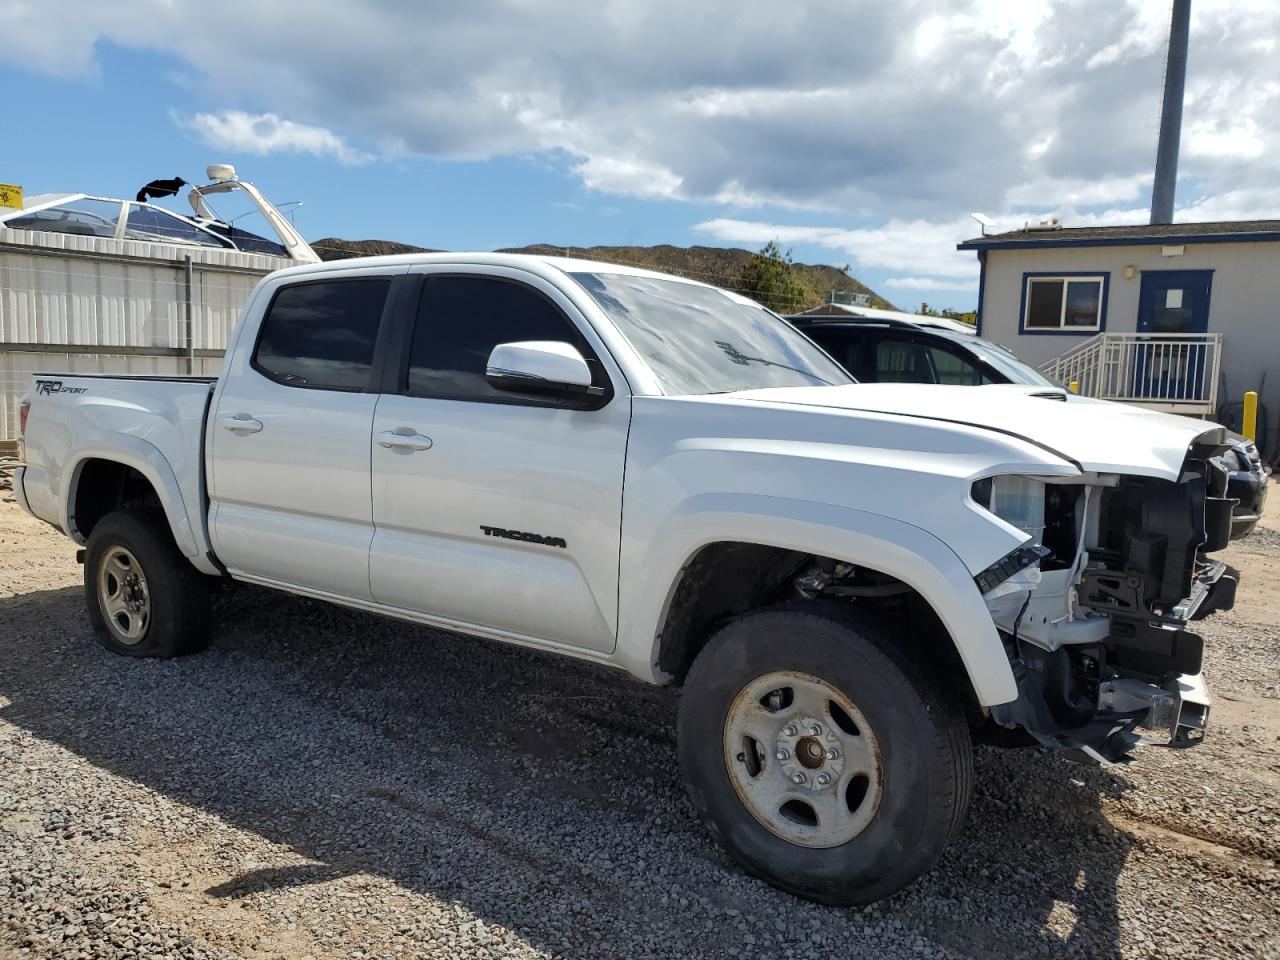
(719, 266)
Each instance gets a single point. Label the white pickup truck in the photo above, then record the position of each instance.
(851, 582)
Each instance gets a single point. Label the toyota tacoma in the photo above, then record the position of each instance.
(851, 582)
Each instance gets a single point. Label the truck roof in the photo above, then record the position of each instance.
(533, 263)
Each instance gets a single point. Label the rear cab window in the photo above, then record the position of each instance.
(322, 334)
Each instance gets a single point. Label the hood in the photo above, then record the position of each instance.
(1098, 435)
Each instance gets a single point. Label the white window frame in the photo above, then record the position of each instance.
(1099, 279)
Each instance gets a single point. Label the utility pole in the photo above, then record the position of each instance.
(1175, 81)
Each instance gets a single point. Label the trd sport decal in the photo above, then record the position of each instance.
(526, 537)
(55, 386)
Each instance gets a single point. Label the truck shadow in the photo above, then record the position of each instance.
(539, 794)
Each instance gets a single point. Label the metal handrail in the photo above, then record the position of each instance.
(1170, 369)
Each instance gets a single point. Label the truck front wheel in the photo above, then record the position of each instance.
(145, 599)
(820, 757)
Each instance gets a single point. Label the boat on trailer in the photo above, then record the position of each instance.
(96, 284)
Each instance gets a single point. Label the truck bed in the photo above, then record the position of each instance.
(153, 424)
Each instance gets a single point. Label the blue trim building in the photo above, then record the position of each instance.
(1046, 291)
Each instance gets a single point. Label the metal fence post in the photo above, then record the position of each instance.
(188, 283)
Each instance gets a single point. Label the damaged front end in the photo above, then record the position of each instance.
(1095, 607)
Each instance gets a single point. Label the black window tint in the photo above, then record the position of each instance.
(322, 334)
(844, 347)
(1044, 304)
(902, 361)
(956, 370)
(461, 319)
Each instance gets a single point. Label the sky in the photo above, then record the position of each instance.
(858, 133)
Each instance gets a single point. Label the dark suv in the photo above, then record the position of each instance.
(878, 350)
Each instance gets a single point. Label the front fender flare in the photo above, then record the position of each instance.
(871, 540)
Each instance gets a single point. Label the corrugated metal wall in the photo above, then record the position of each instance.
(93, 295)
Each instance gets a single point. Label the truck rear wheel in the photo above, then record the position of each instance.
(819, 757)
(145, 599)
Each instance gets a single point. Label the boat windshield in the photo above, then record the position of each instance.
(85, 217)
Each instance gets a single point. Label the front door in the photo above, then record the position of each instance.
(1172, 306)
(493, 509)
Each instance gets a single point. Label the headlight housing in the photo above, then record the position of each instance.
(1018, 501)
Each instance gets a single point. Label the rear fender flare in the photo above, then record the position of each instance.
(152, 465)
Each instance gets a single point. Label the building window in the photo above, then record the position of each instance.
(1064, 303)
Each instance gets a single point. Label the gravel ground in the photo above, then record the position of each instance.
(323, 783)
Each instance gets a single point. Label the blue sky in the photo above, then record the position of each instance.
(112, 131)
(504, 122)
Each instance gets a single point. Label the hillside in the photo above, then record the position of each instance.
(715, 265)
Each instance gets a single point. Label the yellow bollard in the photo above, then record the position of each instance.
(1074, 386)
(1249, 426)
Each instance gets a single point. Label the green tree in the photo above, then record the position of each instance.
(768, 279)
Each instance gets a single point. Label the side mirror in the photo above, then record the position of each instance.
(541, 366)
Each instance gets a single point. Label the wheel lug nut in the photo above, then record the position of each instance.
(824, 779)
(790, 730)
(833, 753)
(783, 754)
(797, 778)
(815, 730)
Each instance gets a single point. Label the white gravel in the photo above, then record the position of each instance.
(323, 783)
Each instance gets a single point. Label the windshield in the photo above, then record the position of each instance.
(700, 340)
(1008, 364)
(236, 213)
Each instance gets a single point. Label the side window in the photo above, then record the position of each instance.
(902, 361)
(956, 370)
(844, 347)
(322, 334)
(462, 318)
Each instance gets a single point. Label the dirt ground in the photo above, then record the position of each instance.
(322, 783)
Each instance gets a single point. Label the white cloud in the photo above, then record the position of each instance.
(627, 176)
(1080, 192)
(910, 246)
(265, 133)
(906, 115)
(928, 284)
(925, 250)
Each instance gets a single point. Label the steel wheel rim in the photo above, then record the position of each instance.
(123, 595)
(803, 759)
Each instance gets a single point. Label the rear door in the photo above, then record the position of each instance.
(503, 512)
(289, 476)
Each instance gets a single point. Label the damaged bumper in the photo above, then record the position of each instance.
(1096, 618)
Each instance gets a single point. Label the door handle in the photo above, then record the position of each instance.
(242, 423)
(403, 439)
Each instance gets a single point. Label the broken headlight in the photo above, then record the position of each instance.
(1018, 501)
(1009, 566)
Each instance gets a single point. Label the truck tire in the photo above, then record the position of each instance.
(820, 757)
(145, 599)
